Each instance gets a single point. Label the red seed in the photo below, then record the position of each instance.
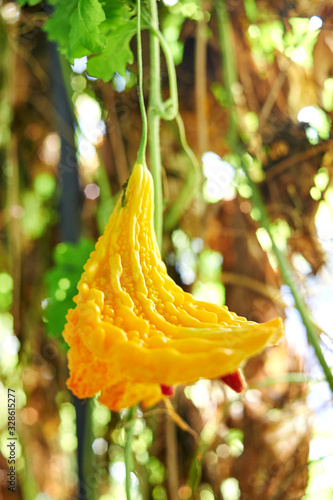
(167, 390)
(235, 381)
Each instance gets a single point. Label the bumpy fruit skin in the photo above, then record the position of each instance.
(134, 329)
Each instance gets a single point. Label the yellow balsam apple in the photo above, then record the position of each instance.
(134, 330)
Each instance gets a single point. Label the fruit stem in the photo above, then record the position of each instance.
(167, 110)
(143, 143)
(154, 122)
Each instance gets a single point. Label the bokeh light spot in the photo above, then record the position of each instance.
(92, 191)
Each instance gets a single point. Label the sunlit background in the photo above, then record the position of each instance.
(197, 266)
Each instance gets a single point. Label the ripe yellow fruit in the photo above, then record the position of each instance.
(134, 330)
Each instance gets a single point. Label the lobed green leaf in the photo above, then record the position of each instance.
(94, 28)
(116, 55)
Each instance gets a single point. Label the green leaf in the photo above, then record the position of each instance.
(76, 27)
(86, 27)
(117, 13)
(75, 47)
(58, 27)
(116, 55)
(85, 30)
(91, 15)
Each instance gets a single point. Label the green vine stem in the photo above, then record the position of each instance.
(143, 143)
(195, 472)
(88, 457)
(206, 439)
(228, 64)
(285, 268)
(200, 79)
(154, 122)
(128, 458)
(168, 110)
(191, 184)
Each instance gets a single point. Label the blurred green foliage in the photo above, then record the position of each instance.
(37, 213)
(328, 94)
(296, 43)
(251, 10)
(61, 283)
(6, 289)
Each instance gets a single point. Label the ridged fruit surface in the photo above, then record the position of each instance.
(134, 330)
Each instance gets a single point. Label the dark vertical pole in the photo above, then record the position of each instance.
(70, 195)
(70, 210)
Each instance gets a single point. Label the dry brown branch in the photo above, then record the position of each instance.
(272, 96)
(254, 285)
(289, 162)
